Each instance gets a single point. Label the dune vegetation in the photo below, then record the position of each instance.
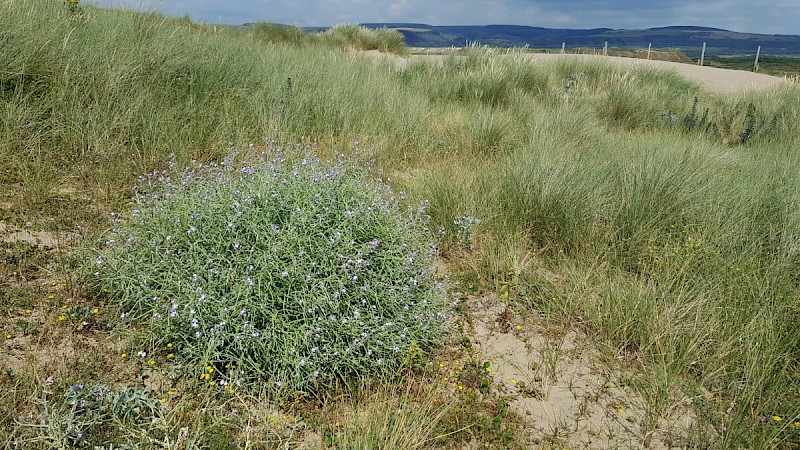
(658, 219)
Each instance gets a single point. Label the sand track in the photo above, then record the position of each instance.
(711, 78)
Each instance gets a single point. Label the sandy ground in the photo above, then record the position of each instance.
(558, 386)
(38, 238)
(711, 78)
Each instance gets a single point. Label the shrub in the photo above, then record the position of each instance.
(306, 275)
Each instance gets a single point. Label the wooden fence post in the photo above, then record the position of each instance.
(649, 47)
(703, 54)
(605, 48)
(563, 47)
(758, 53)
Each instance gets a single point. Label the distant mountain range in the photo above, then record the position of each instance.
(686, 38)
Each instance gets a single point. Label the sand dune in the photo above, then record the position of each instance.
(711, 78)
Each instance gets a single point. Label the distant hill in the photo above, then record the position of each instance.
(689, 39)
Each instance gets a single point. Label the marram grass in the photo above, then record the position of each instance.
(667, 225)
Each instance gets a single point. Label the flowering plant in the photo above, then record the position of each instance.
(306, 275)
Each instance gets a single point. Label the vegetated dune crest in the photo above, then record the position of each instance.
(711, 78)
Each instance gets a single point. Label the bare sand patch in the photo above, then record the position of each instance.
(560, 389)
(38, 238)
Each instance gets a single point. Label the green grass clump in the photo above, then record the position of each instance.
(277, 33)
(89, 414)
(305, 275)
(361, 38)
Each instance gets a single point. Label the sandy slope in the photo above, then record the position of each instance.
(713, 79)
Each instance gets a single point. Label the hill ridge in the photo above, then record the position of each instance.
(687, 38)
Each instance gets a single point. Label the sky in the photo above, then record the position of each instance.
(755, 16)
